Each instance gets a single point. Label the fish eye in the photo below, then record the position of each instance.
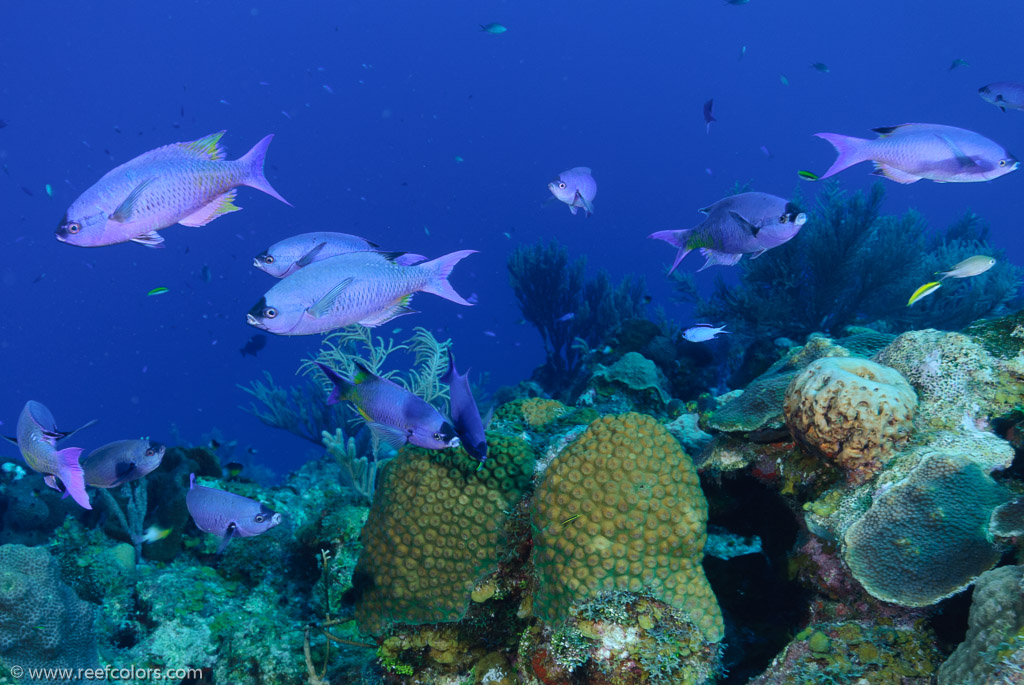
(783, 219)
(73, 227)
(270, 312)
(259, 518)
(269, 259)
(437, 436)
(561, 184)
(1002, 162)
(150, 452)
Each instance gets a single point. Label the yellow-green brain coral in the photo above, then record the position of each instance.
(621, 509)
(854, 412)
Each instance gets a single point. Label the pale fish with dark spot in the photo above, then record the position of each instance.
(367, 288)
(576, 188)
(121, 462)
(747, 223)
(287, 256)
(188, 183)
(909, 152)
(226, 514)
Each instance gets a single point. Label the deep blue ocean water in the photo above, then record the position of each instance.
(372, 103)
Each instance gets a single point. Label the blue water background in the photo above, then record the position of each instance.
(615, 86)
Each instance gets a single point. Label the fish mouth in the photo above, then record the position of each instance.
(259, 260)
(800, 219)
(252, 320)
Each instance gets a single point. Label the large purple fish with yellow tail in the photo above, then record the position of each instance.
(186, 183)
(393, 414)
(226, 514)
(37, 439)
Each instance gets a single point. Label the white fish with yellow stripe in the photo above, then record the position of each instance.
(188, 183)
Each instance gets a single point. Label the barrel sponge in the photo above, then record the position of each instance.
(995, 632)
(851, 411)
(435, 529)
(43, 623)
(926, 538)
(621, 509)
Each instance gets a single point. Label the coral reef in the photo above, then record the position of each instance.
(299, 409)
(557, 299)
(851, 411)
(43, 624)
(993, 651)
(621, 509)
(436, 529)
(635, 377)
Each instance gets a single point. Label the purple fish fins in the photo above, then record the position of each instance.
(149, 239)
(71, 475)
(409, 259)
(218, 206)
(253, 159)
(894, 174)
(389, 435)
(399, 307)
(207, 147)
(851, 151)
(677, 238)
(126, 210)
(342, 387)
(310, 256)
(325, 303)
(587, 207)
(442, 267)
(716, 257)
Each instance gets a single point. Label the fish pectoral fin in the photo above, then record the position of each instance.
(756, 255)
(894, 174)
(572, 209)
(151, 239)
(218, 206)
(308, 258)
(123, 472)
(964, 160)
(126, 209)
(715, 257)
(399, 307)
(754, 230)
(13, 441)
(228, 534)
(60, 435)
(584, 203)
(325, 303)
(396, 437)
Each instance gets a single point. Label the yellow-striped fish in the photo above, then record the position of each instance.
(924, 291)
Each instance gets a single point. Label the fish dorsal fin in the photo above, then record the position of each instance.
(964, 160)
(218, 206)
(391, 256)
(754, 230)
(884, 131)
(325, 303)
(584, 169)
(60, 435)
(207, 147)
(705, 210)
(396, 437)
(362, 375)
(13, 441)
(126, 209)
(399, 307)
(151, 239)
(308, 258)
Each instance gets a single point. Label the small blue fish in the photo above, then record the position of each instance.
(226, 514)
(576, 188)
(465, 414)
(493, 28)
(567, 317)
(393, 414)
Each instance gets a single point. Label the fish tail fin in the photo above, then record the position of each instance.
(72, 476)
(851, 151)
(677, 238)
(442, 267)
(342, 386)
(450, 374)
(253, 160)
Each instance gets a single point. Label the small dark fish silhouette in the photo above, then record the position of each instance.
(254, 345)
(708, 117)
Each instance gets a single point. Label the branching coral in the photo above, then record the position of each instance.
(299, 409)
(563, 306)
(853, 265)
(359, 472)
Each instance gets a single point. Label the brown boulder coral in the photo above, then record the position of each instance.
(853, 412)
(621, 509)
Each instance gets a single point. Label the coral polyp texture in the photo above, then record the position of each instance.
(435, 529)
(621, 509)
(926, 537)
(853, 412)
(43, 624)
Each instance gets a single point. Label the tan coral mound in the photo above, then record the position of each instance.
(621, 509)
(853, 412)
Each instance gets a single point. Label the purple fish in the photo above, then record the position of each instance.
(37, 439)
(576, 188)
(187, 183)
(393, 414)
(909, 152)
(287, 256)
(747, 223)
(708, 116)
(465, 414)
(226, 514)
(121, 462)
